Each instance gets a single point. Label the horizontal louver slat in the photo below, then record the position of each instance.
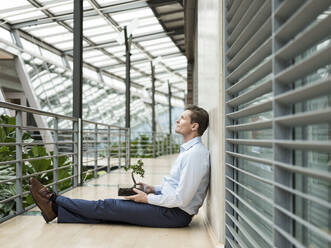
(309, 172)
(237, 16)
(250, 158)
(306, 145)
(287, 8)
(301, 18)
(320, 88)
(306, 39)
(258, 108)
(251, 94)
(233, 9)
(255, 34)
(251, 126)
(263, 70)
(252, 142)
(251, 11)
(311, 117)
(305, 67)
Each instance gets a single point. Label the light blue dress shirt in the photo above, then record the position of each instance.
(186, 186)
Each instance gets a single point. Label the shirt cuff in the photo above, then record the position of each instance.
(157, 189)
(152, 199)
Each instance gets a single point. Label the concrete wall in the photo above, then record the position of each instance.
(210, 90)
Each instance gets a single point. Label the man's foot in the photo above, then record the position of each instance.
(41, 195)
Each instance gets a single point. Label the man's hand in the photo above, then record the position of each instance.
(146, 188)
(139, 197)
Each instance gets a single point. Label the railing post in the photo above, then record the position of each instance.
(153, 143)
(55, 155)
(158, 145)
(162, 141)
(19, 163)
(108, 150)
(95, 151)
(127, 148)
(77, 166)
(119, 147)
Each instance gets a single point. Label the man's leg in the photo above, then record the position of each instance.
(65, 216)
(116, 210)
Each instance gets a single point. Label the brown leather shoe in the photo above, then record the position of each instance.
(42, 190)
(38, 192)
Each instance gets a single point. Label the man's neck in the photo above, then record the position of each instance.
(189, 137)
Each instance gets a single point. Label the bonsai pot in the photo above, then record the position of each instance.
(124, 191)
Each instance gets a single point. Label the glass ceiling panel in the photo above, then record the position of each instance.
(128, 16)
(104, 63)
(16, 3)
(64, 7)
(137, 56)
(103, 58)
(107, 2)
(117, 69)
(54, 31)
(159, 46)
(116, 49)
(41, 28)
(135, 74)
(59, 39)
(19, 16)
(97, 30)
(146, 66)
(93, 21)
(148, 20)
(103, 37)
(164, 51)
(174, 60)
(67, 45)
(4, 34)
(92, 53)
(155, 41)
(147, 30)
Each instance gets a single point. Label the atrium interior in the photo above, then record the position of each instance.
(89, 87)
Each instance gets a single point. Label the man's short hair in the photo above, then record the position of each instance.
(200, 116)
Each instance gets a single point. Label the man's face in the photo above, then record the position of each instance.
(184, 125)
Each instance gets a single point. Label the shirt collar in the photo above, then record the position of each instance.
(187, 145)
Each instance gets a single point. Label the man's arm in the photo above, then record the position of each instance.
(150, 189)
(194, 168)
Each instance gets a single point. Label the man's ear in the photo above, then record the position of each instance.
(195, 126)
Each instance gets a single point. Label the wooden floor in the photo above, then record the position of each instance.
(30, 230)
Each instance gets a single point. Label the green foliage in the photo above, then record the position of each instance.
(8, 171)
(146, 147)
(136, 169)
(134, 148)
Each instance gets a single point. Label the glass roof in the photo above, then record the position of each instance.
(45, 29)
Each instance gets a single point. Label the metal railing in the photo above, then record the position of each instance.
(144, 146)
(104, 148)
(52, 152)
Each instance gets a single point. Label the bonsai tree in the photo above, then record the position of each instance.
(135, 169)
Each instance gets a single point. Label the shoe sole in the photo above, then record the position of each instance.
(42, 213)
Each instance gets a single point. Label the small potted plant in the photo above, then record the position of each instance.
(135, 169)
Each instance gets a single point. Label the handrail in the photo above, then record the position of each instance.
(104, 147)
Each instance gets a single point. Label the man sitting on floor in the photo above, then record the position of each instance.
(173, 204)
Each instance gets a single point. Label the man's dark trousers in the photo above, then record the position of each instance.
(119, 211)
